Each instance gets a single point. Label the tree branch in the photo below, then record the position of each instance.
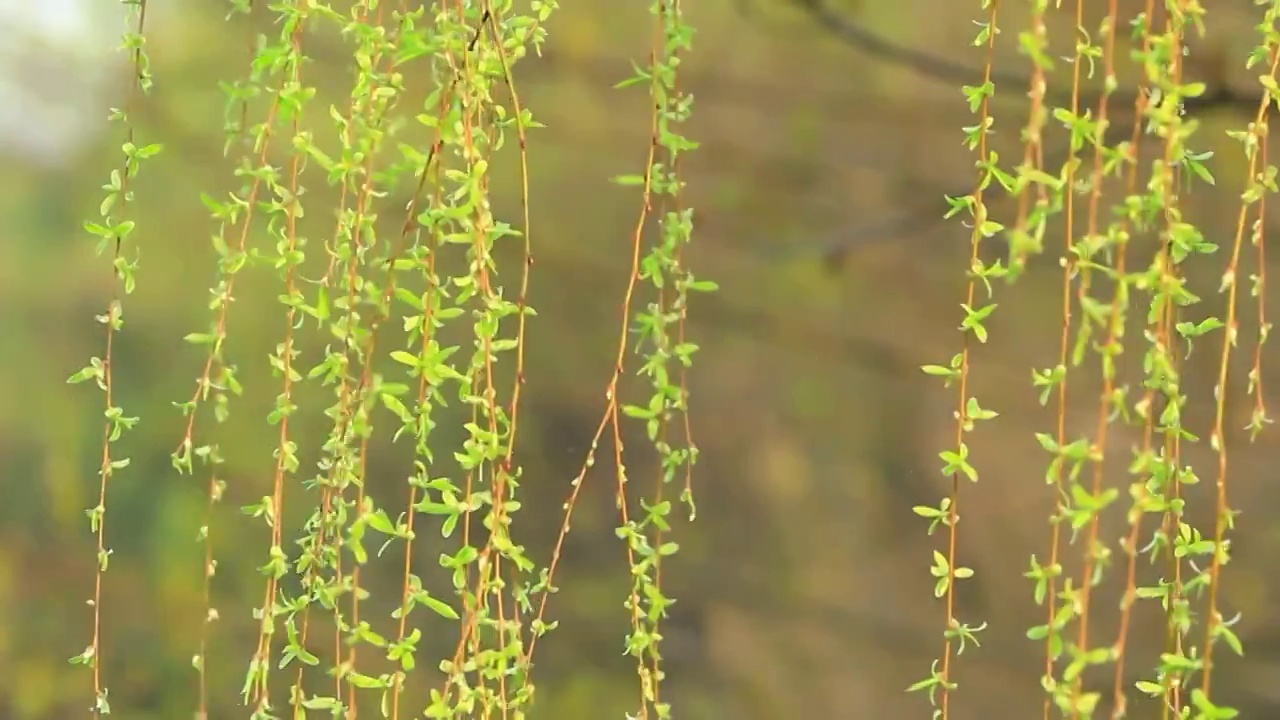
(1218, 96)
(940, 69)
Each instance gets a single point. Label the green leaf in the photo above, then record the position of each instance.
(405, 358)
(439, 607)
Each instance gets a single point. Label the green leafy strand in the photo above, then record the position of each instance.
(113, 230)
(945, 568)
(659, 342)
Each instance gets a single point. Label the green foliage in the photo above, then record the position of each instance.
(383, 304)
(1101, 291)
(374, 562)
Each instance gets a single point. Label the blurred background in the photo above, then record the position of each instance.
(803, 587)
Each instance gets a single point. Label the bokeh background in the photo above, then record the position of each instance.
(803, 586)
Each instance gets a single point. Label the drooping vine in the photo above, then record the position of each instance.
(660, 328)
(114, 230)
(1259, 181)
(956, 465)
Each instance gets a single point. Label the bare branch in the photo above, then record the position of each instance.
(937, 68)
(1218, 96)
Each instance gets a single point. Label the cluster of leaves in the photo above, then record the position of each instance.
(434, 272)
(1102, 286)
